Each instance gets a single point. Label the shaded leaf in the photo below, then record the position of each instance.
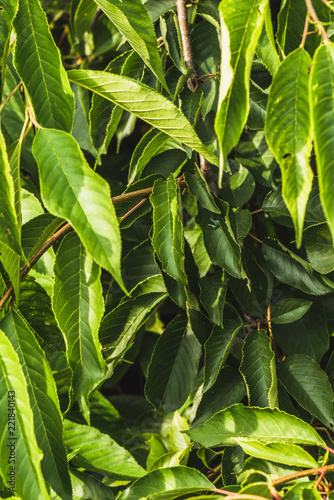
(213, 295)
(308, 384)
(259, 370)
(173, 366)
(319, 248)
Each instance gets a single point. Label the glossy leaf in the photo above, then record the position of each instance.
(322, 105)
(37, 61)
(99, 453)
(259, 370)
(133, 21)
(145, 103)
(213, 295)
(241, 24)
(308, 384)
(168, 230)
(78, 306)
(171, 377)
(289, 135)
(288, 454)
(167, 484)
(292, 270)
(262, 425)
(29, 482)
(221, 247)
(289, 310)
(43, 400)
(199, 188)
(217, 348)
(87, 205)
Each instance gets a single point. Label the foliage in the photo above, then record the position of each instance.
(166, 249)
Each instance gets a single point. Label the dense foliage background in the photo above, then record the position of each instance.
(166, 249)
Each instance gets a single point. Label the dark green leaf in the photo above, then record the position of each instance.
(289, 310)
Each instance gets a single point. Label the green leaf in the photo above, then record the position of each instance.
(322, 104)
(87, 204)
(221, 247)
(213, 294)
(78, 306)
(199, 188)
(44, 402)
(289, 134)
(28, 480)
(308, 335)
(170, 32)
(289, 310)
(7, 13)
(133, 21)
(308, 384)
(241, 26)
(319, 248)
(266, 47)
(259, 370)
(228, 389)
(173, 366)
(167, 237)
(241, 223)
(87, 486)
(99, 453)
(292, 270)
(217, 349)
(38, 63)
(167, 484)
(262, 425)
(145, 103)
(156, 9)
(288, 454)
(83, 16)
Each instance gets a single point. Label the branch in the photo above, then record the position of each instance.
(304, 473)
(141, 193)
(312, 13)
(186, 43)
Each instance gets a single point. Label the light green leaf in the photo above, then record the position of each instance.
(309, 385)
(322, 104)
(266, 47)
(290, 269)
(86, 486)
(289, 135)
(282, 453)
(217, 349)
(262, 425)
(156, 9)
(28, 480)
(173, 366)
(213, 294)
(157, 450)
(259, 370)
(7, 13)
(44, 402)
(289, 310)
(241, 25)
(86, 205)
(78, 306)
(133, 21)
(99, 453)
(38, 63)
(167, 484)
(221, 247)
(177, 439)
(167, 237)
(83, 17)
(145, 103)
(319, 248)
(170, 32)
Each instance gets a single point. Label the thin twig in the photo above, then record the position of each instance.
(133, 209)
(10, 95)
(236, 496)
(303, 473)
(315, 20)
(302, 44)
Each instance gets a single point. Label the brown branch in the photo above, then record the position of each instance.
(186, 43)
(142, 193)
(304, 473)
(10, 95)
